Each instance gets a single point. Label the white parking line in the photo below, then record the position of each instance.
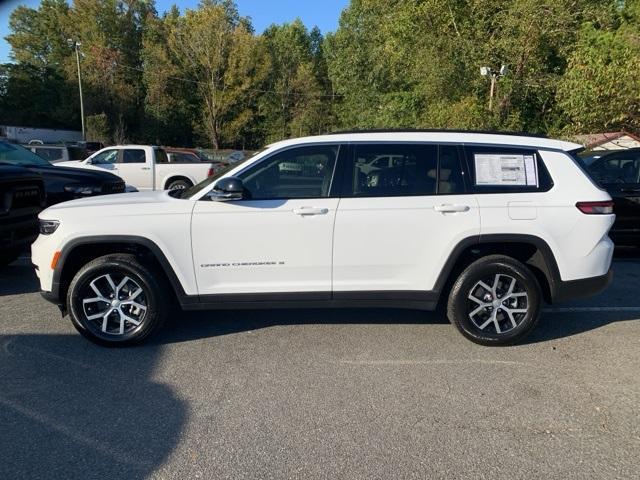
(589, 309)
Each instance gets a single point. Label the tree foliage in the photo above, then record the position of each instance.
(204, 76)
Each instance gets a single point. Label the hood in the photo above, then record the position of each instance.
(77, 175)
(118, 200)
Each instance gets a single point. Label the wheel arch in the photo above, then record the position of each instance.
(531, 250)
(79, 251)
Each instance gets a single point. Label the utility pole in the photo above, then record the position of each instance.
(76, 45)
(489, 72)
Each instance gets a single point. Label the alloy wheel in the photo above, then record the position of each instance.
(114, 304)
(497, 304)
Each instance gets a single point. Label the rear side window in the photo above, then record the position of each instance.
(619, 168)
(506, 170)
(130, 155)
(390, 170)
(394, 170)
(51, 154)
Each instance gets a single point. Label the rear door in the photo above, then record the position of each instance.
(397, 224)
(134, 167)
(619, 174)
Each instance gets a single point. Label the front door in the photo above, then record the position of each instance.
(278, 239)
(106, 160)
(397, 224)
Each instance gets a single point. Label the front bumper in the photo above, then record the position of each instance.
(582, 288)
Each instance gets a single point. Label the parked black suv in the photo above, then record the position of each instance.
(619, 173)
(22, 197)
(61, 183)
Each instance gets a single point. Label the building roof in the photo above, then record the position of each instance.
(617, 139)
(437, 136)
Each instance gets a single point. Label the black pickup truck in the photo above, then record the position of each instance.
(61, 183)
(22, 196)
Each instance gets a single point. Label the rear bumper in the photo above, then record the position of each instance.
(583, 288)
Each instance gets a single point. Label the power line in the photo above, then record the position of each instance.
(254, 90)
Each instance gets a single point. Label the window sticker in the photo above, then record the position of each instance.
(506, 170)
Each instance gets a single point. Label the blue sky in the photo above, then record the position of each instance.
(323, 13)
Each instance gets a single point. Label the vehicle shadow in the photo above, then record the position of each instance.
(18, 277)
(188, 326)
(70, 409)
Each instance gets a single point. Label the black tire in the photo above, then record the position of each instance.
(501, 326)
(153, 297)
(9, 256)
(179, 184)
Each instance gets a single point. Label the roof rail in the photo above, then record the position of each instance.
(437, 130)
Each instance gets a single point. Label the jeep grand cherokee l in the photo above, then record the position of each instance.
(491, 225)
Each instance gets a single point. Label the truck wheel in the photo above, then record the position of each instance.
(116, 300)
(495, 301)
(179, 184)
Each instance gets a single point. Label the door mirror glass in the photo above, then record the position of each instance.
(228, 188)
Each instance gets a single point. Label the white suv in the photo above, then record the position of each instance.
(488, 225)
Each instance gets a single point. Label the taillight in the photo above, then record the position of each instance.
(596, 208)
(211, 172)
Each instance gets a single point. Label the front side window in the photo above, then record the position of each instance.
(106, 157)
(387, 170)
(622, 168)
(303, 172)
(130, 155)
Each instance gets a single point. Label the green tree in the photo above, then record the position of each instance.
(600, 90)
(297, 101)
(218, 51)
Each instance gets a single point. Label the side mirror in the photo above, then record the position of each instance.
(226, 189)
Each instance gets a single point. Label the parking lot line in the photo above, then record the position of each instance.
(589, 309)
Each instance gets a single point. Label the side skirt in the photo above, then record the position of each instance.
(415, 300)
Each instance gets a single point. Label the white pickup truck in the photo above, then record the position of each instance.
(145, 167)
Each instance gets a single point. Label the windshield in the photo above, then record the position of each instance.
(17, 155)
(190, 192)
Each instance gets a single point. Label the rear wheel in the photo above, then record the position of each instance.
(179, 184)
(116, 300)
(495, 301)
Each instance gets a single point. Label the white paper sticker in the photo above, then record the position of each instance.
(505, 169)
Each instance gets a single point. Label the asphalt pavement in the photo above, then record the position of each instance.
(322, 394)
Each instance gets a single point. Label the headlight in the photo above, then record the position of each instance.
(47, 227)
(83, 189)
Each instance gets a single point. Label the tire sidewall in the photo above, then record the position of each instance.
(103, 266)
(468, 279)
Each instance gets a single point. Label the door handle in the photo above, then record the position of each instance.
(451, 208)
(146, 168)
(304, 211)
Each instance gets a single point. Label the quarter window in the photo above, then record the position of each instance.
(304, 172)
(507, 170)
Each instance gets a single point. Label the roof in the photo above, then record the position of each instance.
(438, 136)
(593, 140)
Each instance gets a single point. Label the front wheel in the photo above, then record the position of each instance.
(116, 300)
(495, 301)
